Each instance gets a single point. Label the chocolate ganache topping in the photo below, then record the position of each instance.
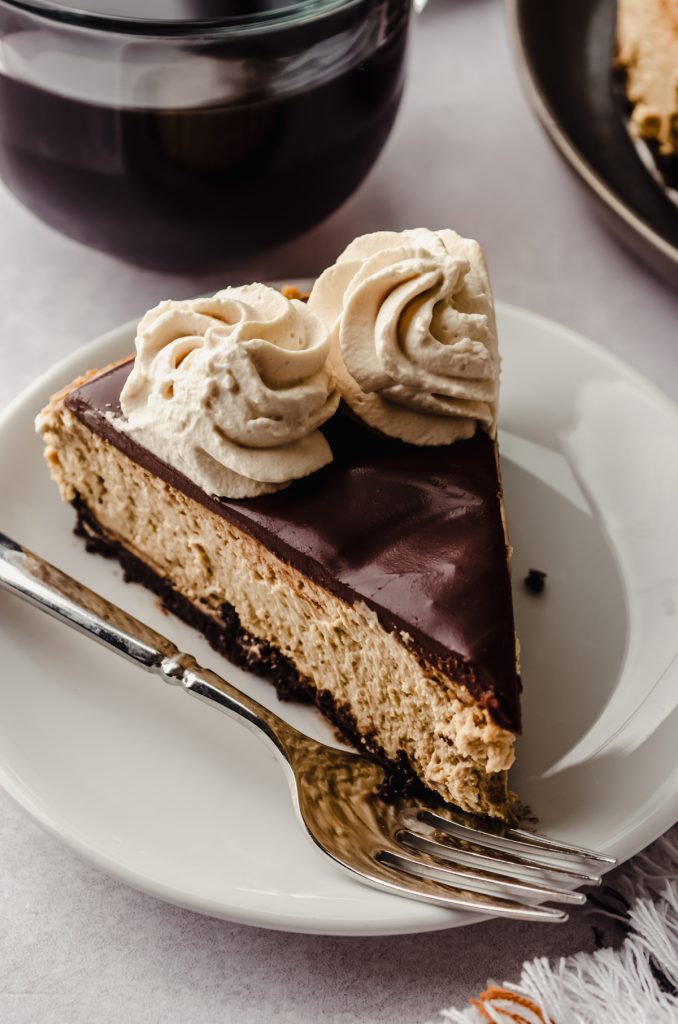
(414, 532)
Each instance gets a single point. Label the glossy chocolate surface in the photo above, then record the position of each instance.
(416, 533)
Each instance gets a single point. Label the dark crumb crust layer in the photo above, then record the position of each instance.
(230, 639)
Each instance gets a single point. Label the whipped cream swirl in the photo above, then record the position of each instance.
(231, 390)
(414, 334)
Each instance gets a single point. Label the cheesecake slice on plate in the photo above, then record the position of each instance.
(647, 57)
(315, 487)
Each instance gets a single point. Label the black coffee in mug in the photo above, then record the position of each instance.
(182, 136)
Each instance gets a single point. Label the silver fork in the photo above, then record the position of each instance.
(441, 856)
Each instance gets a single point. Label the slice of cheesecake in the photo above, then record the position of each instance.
(377, 585)
(647, 56)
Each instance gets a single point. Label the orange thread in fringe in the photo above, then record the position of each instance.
(494, 992)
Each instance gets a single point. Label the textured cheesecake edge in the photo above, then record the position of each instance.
(646, 59)
(228, 636)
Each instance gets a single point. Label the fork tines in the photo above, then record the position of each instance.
(450, 859)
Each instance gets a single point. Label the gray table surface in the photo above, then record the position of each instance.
(466, 153)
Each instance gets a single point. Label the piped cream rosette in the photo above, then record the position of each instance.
(414, 338)
(231, 390)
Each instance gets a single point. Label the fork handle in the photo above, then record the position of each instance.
(52, 591)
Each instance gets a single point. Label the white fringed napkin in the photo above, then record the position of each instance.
(636, 983)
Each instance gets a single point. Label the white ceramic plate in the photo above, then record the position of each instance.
(177, 800)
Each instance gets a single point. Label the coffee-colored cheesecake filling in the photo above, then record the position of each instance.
(415, 533)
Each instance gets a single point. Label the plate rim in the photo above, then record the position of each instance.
(547, 118)
(409, 921)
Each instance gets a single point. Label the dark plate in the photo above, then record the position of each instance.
(566, 49)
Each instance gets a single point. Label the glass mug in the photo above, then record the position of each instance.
(178, 137)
